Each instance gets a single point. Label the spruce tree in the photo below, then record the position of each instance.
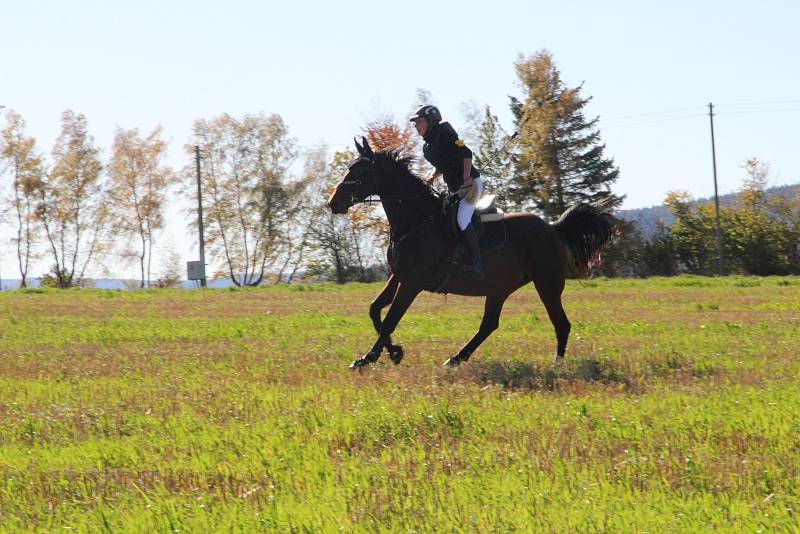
(559, 159)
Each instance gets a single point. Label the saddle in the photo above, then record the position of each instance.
(487, 209)
(485, 212)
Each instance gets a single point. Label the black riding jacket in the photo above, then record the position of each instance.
(446, 152)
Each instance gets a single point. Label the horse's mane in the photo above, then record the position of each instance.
(401, 159)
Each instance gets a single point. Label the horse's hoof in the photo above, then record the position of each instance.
(396, 353)
(455, 361)
(359, 363)
(368, 358)
(558, 359)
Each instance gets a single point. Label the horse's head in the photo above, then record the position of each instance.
(360, 182)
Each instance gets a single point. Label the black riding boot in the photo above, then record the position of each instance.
(471, 239)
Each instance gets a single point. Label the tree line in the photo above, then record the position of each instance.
(264, 195)
(760, 235)
(74, 209)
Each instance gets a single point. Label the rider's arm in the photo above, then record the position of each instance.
(467, 170)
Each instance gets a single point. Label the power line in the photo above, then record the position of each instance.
(756, 111)
(671, 119)
(759, 103)
(651, 113)
(695, 108)
(685, 117)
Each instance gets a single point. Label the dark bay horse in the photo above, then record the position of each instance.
(420, 251)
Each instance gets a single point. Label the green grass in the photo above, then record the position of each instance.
(677, 410)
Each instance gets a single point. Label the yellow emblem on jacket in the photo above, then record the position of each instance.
(459, 142)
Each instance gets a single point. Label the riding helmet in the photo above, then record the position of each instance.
(431, 113)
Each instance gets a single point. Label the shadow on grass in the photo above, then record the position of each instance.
(537, 376)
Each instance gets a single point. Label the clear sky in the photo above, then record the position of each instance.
(327, 67)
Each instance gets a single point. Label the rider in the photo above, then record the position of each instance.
(450, 157)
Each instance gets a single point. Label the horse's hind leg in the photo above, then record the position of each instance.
(381, 301)
(550, 290)
(491, 320)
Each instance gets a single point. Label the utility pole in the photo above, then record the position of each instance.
(716, 192)
(1, 256)
(200, 216)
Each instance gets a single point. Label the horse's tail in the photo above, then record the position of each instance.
(585, 228)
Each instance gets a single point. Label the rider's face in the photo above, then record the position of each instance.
(421, 125)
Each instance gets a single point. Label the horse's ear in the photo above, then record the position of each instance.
(367, 148)
(358, 147)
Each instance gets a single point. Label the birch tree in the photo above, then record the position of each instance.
(20, 160)
(247, 191)
(138, 185)
(73, 205)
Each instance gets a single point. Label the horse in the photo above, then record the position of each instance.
(421, 251)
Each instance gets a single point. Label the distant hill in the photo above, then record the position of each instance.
(648, 218)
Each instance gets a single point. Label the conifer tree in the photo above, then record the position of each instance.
(494, 156)
(559, 159)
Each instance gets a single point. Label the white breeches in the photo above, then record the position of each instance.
(466, 208)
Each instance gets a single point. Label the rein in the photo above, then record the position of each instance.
(372, 199)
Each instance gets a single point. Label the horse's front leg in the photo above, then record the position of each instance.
(403, 298)
(381, 301)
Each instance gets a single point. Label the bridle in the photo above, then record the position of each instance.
(371, 173)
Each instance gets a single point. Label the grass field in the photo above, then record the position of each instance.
(677, 410)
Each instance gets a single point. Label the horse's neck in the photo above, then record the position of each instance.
(399, 218)
(408, 201)
(404, 216)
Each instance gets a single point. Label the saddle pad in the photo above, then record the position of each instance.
(492, 217)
